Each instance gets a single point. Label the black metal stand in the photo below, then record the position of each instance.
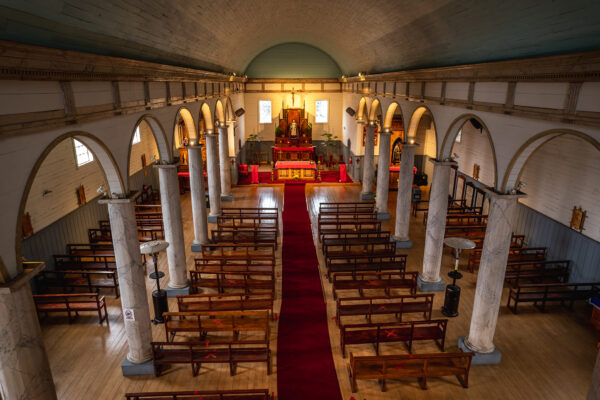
(450, 308)
(159, 297)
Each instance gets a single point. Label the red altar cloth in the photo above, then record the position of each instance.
(397, 169)
(311, 149)
(295, 164)
(254, 173)
(343, 175)
(187, 174)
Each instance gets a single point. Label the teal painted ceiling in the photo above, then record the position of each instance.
(293, 60)
(369, 36)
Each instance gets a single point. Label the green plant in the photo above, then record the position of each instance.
(252, 140)
(330, 141)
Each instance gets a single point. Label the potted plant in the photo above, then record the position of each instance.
(330, 142)
(252, 140)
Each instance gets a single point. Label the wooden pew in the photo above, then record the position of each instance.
(247, 281)
(368, 235)
(345, 214)
(91, 249)
(254, 394)
(419, 366)
(543, 293)
(232, 235)
(455, 212)
(89, 262)
(228, 252)
(266, 211)
(252, 221)
(537, 271)
(92, 280)
(145, 234)
(365, 263)
(71, 303)
(391, 332)
(147, 195)
(382, 305)
(362, 281)
(349, 225)
(358, 246)
(368, 206)
(225, 302)
(465, 230)
(198, 353)
(223, 321)
(514, 255)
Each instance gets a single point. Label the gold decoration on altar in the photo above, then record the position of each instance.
(577, 219)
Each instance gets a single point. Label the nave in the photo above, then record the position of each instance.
(545, 355)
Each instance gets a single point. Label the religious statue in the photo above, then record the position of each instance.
(293, 129)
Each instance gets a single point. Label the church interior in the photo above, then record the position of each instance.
(215, 201)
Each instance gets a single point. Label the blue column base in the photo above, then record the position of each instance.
(383, 216)
(212, 218)
(480, 358)
(430, 286)
(367, 196)
(172, 292)
(402, 243)
(128, 368)
(227, 198)
(197, 247)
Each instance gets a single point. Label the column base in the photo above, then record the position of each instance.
(212, 218)
(402, 243)
(430, 286)
(197, 247)
(226, 197)
(384, 216)
(173, 292)
(128, 368)
(367, 196)
(480, 358)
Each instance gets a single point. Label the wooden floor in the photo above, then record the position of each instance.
(544, 355)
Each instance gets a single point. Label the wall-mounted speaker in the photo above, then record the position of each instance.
(476, 124)
(350, 111)
(239, 112)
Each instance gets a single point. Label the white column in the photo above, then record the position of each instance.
(369, 164)
(405, 182)
(224, 164)
(214, 185)
(383, 176)
(490, 279)
(173, 224)
(132, 282)
(198, 197)
(24, 367)
(429, 279)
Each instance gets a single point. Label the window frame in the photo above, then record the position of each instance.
(136, 134)
(260, 121)
(89, 152)
(326, 114)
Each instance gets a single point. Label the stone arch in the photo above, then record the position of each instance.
(207, 117)
(375, 112)
(160, 138)
(107, 163)
(450, 137)
(415, 118)
(219, 114)
(229, 113)
(518, 161)
(389, 114)
(362, 110)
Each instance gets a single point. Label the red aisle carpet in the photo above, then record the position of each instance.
(305, 369)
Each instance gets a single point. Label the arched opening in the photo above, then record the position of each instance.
(59, 202)
(558, 170)
(421, 130)
(362, 110)
(231, 125)
(184, 134)
(219, 113)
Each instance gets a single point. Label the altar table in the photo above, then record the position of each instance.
(304, 170)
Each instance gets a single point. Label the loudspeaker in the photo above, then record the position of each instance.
(350, 111)
(239, 112)
(476, 124)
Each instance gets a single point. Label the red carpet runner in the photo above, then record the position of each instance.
(305, 369)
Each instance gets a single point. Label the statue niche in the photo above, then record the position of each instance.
(293, 137)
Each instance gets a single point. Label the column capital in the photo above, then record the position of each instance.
(30, 270)
(166, 166)
(442, 163)
(361, 122)
(410, 146)
(386, 131)
(493, 194)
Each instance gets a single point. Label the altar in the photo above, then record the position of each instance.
(293, 153)
(302, 170)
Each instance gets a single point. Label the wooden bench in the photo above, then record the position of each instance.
(514, 255)
(147, 214)
(146, 195)
(223, 321)
(92, 280)
(543, 293)
(89, 249)
(254, 394)
(365, 263)
(362, 281)
(91, 262)
(368, 206)
(345, 214)
(392, 332)
(537, 271)
(461, 218)
(233, 251)
(348, 225)
(358, 246)
(251, 221)
(465, 230)
(382, 305)
(225, 302)
(246, 281)
(198, 353)
(71, 304)
(145, 234)
(233, 235)
(420, 366)
(266, 211)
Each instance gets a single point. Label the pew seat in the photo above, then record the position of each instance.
(541, 293)
(71, 303)
(89, 279)
(225, 302)
(374, 280)
(384, 305)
